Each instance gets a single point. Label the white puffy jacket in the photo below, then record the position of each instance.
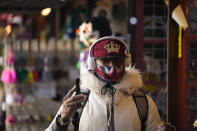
(126, 117)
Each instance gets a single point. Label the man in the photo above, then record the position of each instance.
(110, 105)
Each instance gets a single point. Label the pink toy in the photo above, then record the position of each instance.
(5, 76)
(11, 119)
(8, 76)
(11, 59)
(13, 78)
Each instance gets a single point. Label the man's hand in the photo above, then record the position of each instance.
(71, 104)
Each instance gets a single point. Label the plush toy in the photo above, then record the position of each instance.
(11, 119)
(8, 76)
(9, 73)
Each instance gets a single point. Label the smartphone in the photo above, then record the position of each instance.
(78, 86)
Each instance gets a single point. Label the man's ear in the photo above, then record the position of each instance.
(91, 63)
(128, 60)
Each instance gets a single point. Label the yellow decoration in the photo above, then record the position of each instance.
(179, 42)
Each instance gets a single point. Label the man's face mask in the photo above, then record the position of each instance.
(111, 69)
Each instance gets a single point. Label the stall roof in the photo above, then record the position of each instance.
(30, 5)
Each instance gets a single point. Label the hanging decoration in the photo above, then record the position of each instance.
(180, 42)
(8, 75)
(179, 17)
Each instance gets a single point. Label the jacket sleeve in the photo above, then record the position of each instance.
(153, 119)
(53, 126)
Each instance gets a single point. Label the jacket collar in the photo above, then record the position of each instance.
(132, 80)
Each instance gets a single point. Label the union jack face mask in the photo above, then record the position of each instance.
(110, 73)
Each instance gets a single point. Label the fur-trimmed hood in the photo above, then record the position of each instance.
(132, 80)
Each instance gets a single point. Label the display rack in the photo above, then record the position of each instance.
(35, 97)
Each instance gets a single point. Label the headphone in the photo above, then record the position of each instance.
(91, 60)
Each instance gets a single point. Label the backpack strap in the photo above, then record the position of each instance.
(141, 102)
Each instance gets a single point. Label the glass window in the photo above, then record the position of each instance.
(192, 61)
(192, 17)
(191, 106)
(155, 19)
(155, 56)
(155, 53)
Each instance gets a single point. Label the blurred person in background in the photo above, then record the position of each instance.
(88, 32)
(114, 91)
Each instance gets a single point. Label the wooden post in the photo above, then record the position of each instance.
(172, 70)
(140, 33)
(182, 78)
(132, 29)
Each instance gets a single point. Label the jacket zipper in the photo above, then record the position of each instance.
(110, 115)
